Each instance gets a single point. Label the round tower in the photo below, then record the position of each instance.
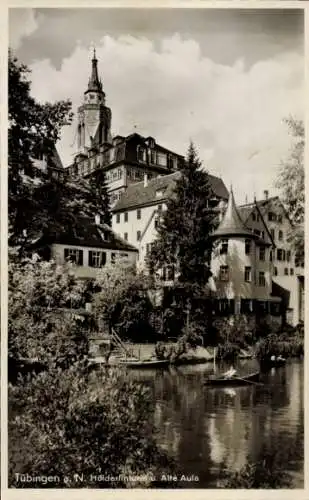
(240, 264)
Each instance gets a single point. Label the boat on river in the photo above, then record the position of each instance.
(235, 380)
(145, 363)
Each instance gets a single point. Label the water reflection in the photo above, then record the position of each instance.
(206, 428)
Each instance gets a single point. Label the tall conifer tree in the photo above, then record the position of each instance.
(183, 232)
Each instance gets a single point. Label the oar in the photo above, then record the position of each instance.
(249, 381)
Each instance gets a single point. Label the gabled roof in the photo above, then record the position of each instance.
(232, 223)
(245, 212)
(87, 234)
(160, 189)
(268, 205)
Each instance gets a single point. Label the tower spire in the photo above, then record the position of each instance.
(94, 84)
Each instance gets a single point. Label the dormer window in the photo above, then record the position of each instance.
(159, 193)
(141, 154)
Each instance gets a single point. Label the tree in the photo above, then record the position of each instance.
(123, 301)
(291, 182)
(39, 202)
(44, 323)
(183, 234)
(98, 196)
(34, 129)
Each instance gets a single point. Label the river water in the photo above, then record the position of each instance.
(208, 429)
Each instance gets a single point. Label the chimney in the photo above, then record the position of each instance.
(97, 219)
(266, 193)
(145, 180)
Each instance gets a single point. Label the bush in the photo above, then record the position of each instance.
(265, 473)
(41, 327)
(63, 423)
(279, 345)
(227, 351)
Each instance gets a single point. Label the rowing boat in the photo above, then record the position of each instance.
(154, 363)
(234, 380)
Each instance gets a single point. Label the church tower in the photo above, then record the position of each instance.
(94, 118)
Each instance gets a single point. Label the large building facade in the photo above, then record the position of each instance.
(125, 160)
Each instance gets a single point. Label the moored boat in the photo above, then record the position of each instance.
(235, 380)
(145, 363)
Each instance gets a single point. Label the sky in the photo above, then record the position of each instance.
(225, 79)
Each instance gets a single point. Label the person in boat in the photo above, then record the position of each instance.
(230, 373)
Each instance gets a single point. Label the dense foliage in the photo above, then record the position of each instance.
(34, 129)
(291, 182)
(123, 302)
(39, 201)
(65, 424)
(44, 323)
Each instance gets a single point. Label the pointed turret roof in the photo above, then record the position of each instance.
(94, 84)
(232, 224)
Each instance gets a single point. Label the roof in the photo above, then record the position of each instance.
(232, 223)
(87, 234)
(137, 195)
(246, 210)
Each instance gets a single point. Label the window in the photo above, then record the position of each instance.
(126, 216)
(263, 234)
(75, 256)
(262, 281)
(125, 236)
(141, 154)
(272, 232)
(156, 223)
(270, 255)
(138, 235)
(113, 258)
(271, 216)
(257, 217)
(247, 274)
(224, 247)
(253, 216)
(286, 271)
(280, 235)
(118, 218)
(224, 273)
(246, 306)
(153, 156)
(288, 255)
(138, 213)
(275, 271)
(283, 254)
(226, 306)
(97, 259)
(257, 232)
(247, 247)
(275, 308)
(161, 159)
(262, 253)
(280, 219)
(280, 254)
(291, 271)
